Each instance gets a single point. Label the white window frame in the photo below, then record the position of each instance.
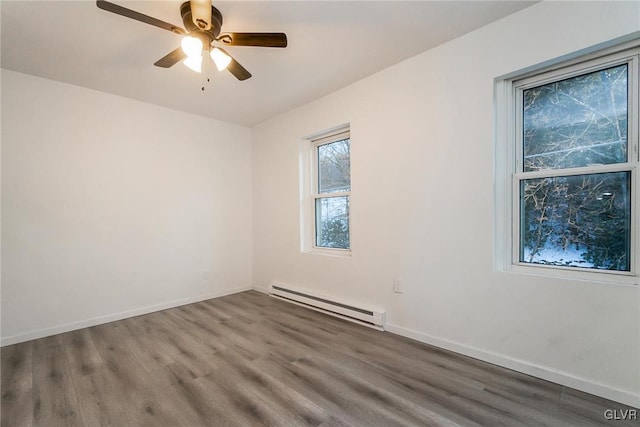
(310, 191)
(510, 172)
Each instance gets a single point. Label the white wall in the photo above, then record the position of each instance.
(423, 208)
(112, 207)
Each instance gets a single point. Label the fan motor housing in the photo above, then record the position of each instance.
(216, 22)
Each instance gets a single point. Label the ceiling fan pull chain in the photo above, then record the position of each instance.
(205, 68)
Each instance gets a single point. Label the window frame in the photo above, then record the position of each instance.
(311, 191)
(510, 168)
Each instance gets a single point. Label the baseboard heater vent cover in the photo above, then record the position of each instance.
(364, 316)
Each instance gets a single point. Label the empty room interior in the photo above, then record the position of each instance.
(320, 213)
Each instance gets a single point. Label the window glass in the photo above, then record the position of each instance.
(334, 167)
(332, 222)
(576, 122)
(577, 221)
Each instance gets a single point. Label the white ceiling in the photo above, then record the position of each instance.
(331, 45)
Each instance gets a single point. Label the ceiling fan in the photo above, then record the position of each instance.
(203, 24)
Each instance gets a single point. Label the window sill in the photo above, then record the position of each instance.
(339, 253)
(569, 273)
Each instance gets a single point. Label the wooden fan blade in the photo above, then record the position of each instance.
(236, 69)
(254, 39)
(171, 58)
(128, 13)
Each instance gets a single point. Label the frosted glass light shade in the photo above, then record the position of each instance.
(194, 62)
(191, 46)
(221, 59)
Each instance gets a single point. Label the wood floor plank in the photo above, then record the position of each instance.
(106, 400)
(81, 353)
(278, 344)
(433, 394)
(389, 407)
(203, 408)
(142, 344)
(341, 403)
(226, 306)
(17, 385)
(217, 334)
(204, 308)
(221, 310)
(578, 404)
(236, 340)
(197, 324)
(166, 341)
(120, 393)
(102, 401)
(294, 407)
(445, 368)
(235, 395)
(54, 397)
(250, 360)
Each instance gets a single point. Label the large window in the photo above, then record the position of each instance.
(327, 203)
(574, 132)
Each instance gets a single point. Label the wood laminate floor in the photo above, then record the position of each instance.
(249, 360)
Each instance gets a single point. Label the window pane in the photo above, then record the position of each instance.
(332, 222)
(334, 167)
(577, 221)
(576, 122)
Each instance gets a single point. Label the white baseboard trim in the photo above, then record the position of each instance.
(59, 329)
(549, 374)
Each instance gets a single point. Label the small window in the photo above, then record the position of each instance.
(329, 196)
(574, 169)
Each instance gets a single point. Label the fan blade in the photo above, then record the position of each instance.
(128, 13)
(201, 13)
(254, 39)
(236, 69)
(171, 58)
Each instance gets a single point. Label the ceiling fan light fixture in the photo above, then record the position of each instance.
(203, 21)
(192, 46)
(221, 59)
(194, 62)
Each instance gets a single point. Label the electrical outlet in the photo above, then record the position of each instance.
(397, 286)
(205, 275)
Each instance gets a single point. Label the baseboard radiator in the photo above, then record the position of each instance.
(364, 316)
